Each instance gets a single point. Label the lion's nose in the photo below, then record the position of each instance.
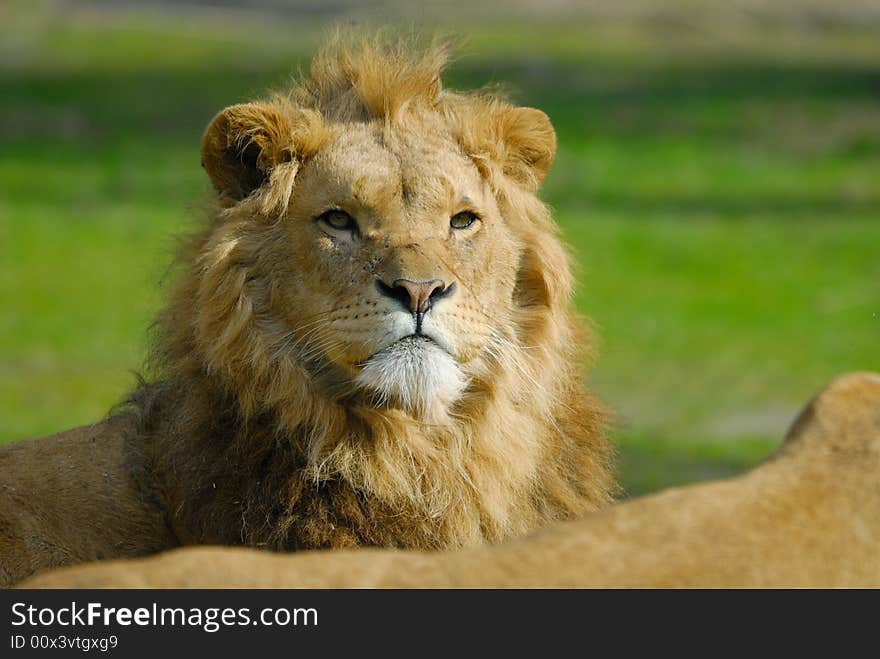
(417, 296)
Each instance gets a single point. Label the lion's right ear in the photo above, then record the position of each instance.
(247, 145)
(241, 146)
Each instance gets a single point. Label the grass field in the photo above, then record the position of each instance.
(720, 189)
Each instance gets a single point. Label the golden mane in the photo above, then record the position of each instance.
(354, 78)
(242, 444)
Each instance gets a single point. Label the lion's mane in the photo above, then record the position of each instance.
(242, 447)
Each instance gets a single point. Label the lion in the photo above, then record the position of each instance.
(371, 341)
(808, 517)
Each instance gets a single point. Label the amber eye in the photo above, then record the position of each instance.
(463, 220)
(338, 220)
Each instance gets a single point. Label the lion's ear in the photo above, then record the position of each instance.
(242, 145)
(529, 145)
(520, 141)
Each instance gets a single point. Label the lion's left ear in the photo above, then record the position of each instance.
(529, 145)
(520, 141)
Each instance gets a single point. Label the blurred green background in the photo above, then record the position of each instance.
(718, 178)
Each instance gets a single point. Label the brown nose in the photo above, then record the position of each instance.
(417, 296)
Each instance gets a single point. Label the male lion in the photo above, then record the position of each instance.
(372, 342)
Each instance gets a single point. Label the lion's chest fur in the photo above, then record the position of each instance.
(224, 482)
(275, 502)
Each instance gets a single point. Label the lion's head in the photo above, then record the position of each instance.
(381, 280)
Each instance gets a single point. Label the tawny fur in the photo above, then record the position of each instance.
(808, 517)
(248, 448)
(261, 422)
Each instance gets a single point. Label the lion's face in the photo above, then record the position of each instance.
(388, 270)
(403, 264)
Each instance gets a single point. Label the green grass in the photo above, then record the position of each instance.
(720, 194)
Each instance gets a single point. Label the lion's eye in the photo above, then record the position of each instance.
(338, 220)
(463, 220)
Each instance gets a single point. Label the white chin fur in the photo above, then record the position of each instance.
(416, 374)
